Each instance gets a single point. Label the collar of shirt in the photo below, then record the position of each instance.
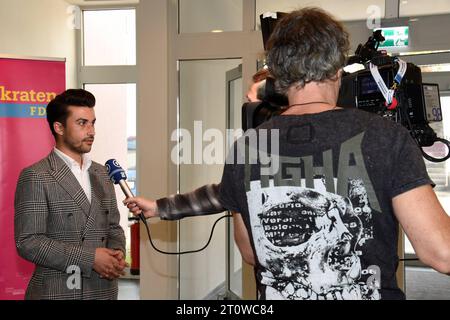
(71, 163)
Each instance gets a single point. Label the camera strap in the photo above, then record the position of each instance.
(389, 94)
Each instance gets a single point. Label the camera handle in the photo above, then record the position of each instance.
(437, 160)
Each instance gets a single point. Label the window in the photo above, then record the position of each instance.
(202, 108)
(109, 37)
(108, 71)
(116, 116)
(210, 15)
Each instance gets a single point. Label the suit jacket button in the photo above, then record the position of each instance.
(82, 239)
(107, 212)
(103, 239)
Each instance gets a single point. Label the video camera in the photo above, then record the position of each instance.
(385, 85)
(394, 90)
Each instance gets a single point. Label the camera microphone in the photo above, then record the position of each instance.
(118, 176)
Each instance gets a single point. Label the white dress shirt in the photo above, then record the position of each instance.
(82, 174)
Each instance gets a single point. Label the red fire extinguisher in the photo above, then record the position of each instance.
(135, 256)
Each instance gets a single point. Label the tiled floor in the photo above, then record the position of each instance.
(421, 284)
(426, 284)
(128, 289)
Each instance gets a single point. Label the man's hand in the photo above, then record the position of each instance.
(139, 205)
(121, 257)
(107, 265)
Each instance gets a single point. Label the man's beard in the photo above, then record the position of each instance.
(81, 148)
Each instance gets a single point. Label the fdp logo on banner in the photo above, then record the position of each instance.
(24, 104)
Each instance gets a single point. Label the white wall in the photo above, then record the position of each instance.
(38, 28)
(419, 7)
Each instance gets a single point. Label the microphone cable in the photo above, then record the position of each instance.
(142, 218)
(408, 259)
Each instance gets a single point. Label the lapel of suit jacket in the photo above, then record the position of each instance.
(62, 174)
(97, 195)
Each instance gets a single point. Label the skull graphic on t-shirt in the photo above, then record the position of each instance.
(311, 241)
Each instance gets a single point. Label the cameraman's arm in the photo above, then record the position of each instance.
(200, 202)
(427, 226)
(415, 204)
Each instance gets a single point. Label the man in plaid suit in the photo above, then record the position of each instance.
(66, 217)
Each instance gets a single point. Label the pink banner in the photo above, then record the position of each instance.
(26, 87)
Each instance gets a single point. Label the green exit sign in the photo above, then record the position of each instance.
(396, 37)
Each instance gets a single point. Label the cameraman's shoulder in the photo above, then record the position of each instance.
(377, 122)
(384, 134)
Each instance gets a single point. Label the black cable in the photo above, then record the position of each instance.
(411, 259)
(404, 115)
(209, 240)
(141, 216)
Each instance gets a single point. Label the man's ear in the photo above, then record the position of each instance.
(59, 128)
(338, 75)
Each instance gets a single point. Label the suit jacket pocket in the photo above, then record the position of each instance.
(61, 286)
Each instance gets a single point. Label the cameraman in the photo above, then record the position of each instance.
(325, 224)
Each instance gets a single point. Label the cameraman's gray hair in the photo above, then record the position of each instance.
(307, 45)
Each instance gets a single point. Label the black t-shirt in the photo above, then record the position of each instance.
(318, 209)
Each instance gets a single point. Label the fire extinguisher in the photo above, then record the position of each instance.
(135, 256)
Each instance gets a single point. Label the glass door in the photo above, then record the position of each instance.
(204, 104)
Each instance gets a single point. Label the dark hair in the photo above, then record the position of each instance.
(307, 45)
(57, 109)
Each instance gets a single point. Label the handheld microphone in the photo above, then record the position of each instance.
(118, 176)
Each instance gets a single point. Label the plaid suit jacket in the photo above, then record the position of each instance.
(58, 230)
